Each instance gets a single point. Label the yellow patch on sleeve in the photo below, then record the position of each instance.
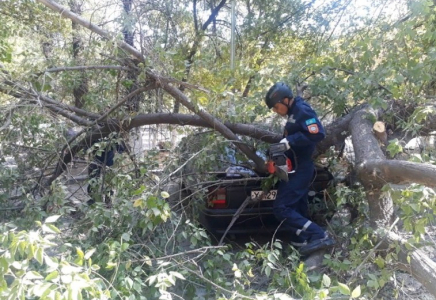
(313, 128)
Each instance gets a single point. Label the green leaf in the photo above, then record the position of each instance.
(22, 247)
(156, 211)
(39, 255)
(165, 195)
(89, 253)
(125, 236)
(30, 251)
(124, 246)
(394, 147)
(33, 275)
(110, 265)
(3, 265)
(151, 279)
(42, 290)
(267, 271)
(52, 275)
(380, 262)
(129, 282)
(272, 257)
(52, 219)
(50, 288)
(50, 263)
(278, 245)
(80, 253)
(326, 281)
(50, 228)
(344, 289)
(177, 274)
(373, 283)
(138, 202)
(356, 292)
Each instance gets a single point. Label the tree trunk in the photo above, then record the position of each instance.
(80, 88)
(374, 171)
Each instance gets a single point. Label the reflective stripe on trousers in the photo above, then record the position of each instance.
(291, 207)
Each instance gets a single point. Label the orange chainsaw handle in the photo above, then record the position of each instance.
(271, 167)
(289, 164)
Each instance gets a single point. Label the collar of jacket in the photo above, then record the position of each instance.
(291, 109)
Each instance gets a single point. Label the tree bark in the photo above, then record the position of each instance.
(81, 87)
(415, 262)
(250, 130)
(374, 171)
(398, 172)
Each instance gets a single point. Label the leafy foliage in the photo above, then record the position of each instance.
(141, 247)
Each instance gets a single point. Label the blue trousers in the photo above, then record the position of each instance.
(291, 208)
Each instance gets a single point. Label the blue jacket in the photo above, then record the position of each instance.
(107, 156)
(303, 131)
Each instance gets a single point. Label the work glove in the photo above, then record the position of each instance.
(285, 141)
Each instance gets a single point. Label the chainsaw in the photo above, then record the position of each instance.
(278, 163)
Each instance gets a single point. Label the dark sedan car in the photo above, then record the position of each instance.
(227, 180)
(232, 189)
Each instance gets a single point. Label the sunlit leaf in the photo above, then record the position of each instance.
(89, 253)
(53, 275)
(326, 280)
(344, 289)
(138, 202)
(356, 292)
(52, 219)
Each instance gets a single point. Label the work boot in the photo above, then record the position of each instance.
(318, 244)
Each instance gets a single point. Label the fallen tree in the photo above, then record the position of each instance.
(373, 169)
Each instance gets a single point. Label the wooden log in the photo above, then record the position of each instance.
(415, 262)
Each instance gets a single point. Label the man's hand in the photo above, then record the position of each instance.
(285, 141)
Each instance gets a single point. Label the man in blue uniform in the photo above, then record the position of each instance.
(302, 132)
(101, 160)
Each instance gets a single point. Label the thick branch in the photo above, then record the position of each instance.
(415, 262)
(68, 115)
(398, 172)
(213, 15)
(112, 125)
(365, 143)
(367, 147)
(55, 106)
(374, 171)
(194, 120)
(337, 132)
(380, 132)
(87, 24)
(194, 11)
(67, 107)
(82, 68)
